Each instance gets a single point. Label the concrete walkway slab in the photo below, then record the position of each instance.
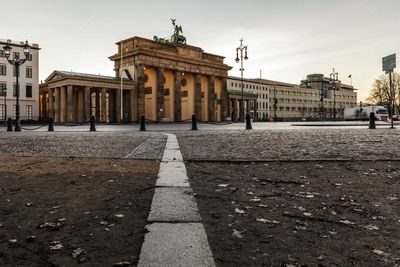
(171, 155)
(172, 145)
(172, 174)
(178, 245)
(174, 205)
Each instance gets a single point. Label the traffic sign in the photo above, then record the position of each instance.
(389, 63)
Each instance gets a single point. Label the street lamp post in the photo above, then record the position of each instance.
(275, 104)
(5, 105)
(361, 111)
(241, 48)
(321, 99)
(17, 62)
(334, 77)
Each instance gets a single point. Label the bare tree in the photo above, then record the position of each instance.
(380, 92)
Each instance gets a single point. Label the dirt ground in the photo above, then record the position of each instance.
(69, 211)
(300, 214)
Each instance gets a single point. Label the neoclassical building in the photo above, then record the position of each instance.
(163, 81)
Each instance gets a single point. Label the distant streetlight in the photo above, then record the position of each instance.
(17, 62)
(5, 104)
(275, 104)
(241, 48)
(334, 77)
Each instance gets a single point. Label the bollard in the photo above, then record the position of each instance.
(194, 122)
(248, 122)
(372, 120)
(9, 125)
(142, 123)
(92, 125)
(51, 126)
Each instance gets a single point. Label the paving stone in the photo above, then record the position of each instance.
(178, 245)
(172, 174)
(174, 205)
(152, 148)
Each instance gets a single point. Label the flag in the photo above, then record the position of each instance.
(350, 76)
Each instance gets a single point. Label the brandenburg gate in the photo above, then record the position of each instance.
(163, 79)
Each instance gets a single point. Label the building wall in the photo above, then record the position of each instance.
(295, 101)
(9, 79)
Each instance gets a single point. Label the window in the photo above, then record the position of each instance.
(28, 72)
(3, 70)
(29, 112)
(3, 112)
(2, 54)
(29, 90)
(15, 90)
(29, 57)
(16, 54)
(3, 88)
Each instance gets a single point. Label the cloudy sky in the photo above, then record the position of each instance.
(287, 39)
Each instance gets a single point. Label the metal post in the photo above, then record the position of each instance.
(275, 104)
(51, 125)
(5, 106)
(248, 122)
(391, 98)
(9, 125)
(372, 120)
(142, 123)
(92, 124)
(17, 127)
(194, 123)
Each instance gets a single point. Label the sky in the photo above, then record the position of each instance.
(286, 39)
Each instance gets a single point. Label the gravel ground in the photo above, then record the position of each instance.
(291, 144)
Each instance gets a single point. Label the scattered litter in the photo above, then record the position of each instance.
(223, 185)
(333, 213)
(261, 220)
(300, 228)
(255, 199)
(28, 204)
(55, 245)
(250, 193)
(262, 206)
(104, 223)
(239, 211)
(333, 232)
(371, 227)
(110, 181)
(301, 208)
(51, 226)
(83, 175)
(338, 184)
(119, 215)
(237, 234)
(122, 263)
(347, 222)
(379, 252)
(307, 214)
(321, 258)
(107, 229)
(393, 198)
(77, 252)
(61, 220)
(12, 241)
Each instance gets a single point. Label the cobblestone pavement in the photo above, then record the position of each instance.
(83, 144)
(295, 144)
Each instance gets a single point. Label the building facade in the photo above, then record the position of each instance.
(315, 98)
(28, 82)
(164, 82)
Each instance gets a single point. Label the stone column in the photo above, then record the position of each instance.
(197, 95)
(63, 105)
(228, 108)
(247, 106)
(118, 106)
(51, 103)
(97, 96)
(70, 105)
(133, 95)
(57, 104)
(235, 110)
(88, 106)
(255, 111)
(141, 104)
(111, 106)
(211, 99)
(160, 94)
(177, 95)
(224, 100)
(103, 117)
